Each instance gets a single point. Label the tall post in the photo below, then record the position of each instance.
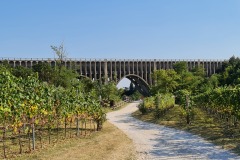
(105, 72)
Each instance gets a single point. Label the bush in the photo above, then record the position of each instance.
(162, 104)
(142, 109)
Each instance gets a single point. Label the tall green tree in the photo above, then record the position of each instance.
(45, 72)
(21, 71)
(180, 67)
(166, 81)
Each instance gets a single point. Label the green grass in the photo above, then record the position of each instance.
(209, 127)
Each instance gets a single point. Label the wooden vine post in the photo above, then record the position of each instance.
(33, 137)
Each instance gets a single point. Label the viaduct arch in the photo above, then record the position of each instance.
(141, 85)
(137, 70)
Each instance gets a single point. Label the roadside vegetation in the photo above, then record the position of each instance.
(43, 105)
(207, 106)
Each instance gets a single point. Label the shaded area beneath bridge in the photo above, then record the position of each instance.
(139, 84)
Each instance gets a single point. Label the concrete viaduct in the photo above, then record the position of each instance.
(137, 71)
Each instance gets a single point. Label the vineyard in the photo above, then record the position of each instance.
(32, 112)
(222, 102)
(207, 106)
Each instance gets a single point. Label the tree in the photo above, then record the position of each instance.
(60, 51)
(21, 71)
(166, 81)
(180, 67)
(231, 72)
(198, 71)
(45, 72)
(65, 76)
(189, 80)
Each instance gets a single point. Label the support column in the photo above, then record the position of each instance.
(214, 68)
(146, 69)
(210, 67)
(149, 73)
(120, 70)
(105, 72)
(129, 67)
(133, 67)
(80, 66)
(137, 69)
(90, 69)
(100, 70)
(95, 70)
(124, 68)
(111, 71)
(86, 66)
(115, 71)
(154, 69)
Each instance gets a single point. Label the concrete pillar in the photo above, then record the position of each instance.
(133, 66)
(149, 73)
(90, 69)
(111, 71)
(105, 72)
(120, 70)
(80, 67)
(154, 65)
(207, 68)
(210, 68)
(146, 70)
(100, 70)
(214, 67)
(115, 71)
(124, 68)
(129, 67)
(95, 70)
(86, 68)
(137, 68)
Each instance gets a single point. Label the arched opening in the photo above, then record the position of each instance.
(140, 84)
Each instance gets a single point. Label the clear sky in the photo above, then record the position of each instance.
(125, 29)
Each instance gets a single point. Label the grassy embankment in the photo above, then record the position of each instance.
(108, 144)
(204, 125)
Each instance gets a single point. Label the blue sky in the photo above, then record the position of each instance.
(125, 29)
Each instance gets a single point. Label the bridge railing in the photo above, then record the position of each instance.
(111, 59)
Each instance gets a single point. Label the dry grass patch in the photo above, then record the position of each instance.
(108, 144)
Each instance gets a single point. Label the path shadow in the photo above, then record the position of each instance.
(169, 142)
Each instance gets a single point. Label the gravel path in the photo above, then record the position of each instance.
(159, 142)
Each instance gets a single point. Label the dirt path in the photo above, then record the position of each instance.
(159, 142)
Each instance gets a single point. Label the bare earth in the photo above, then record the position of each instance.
(159, 142)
